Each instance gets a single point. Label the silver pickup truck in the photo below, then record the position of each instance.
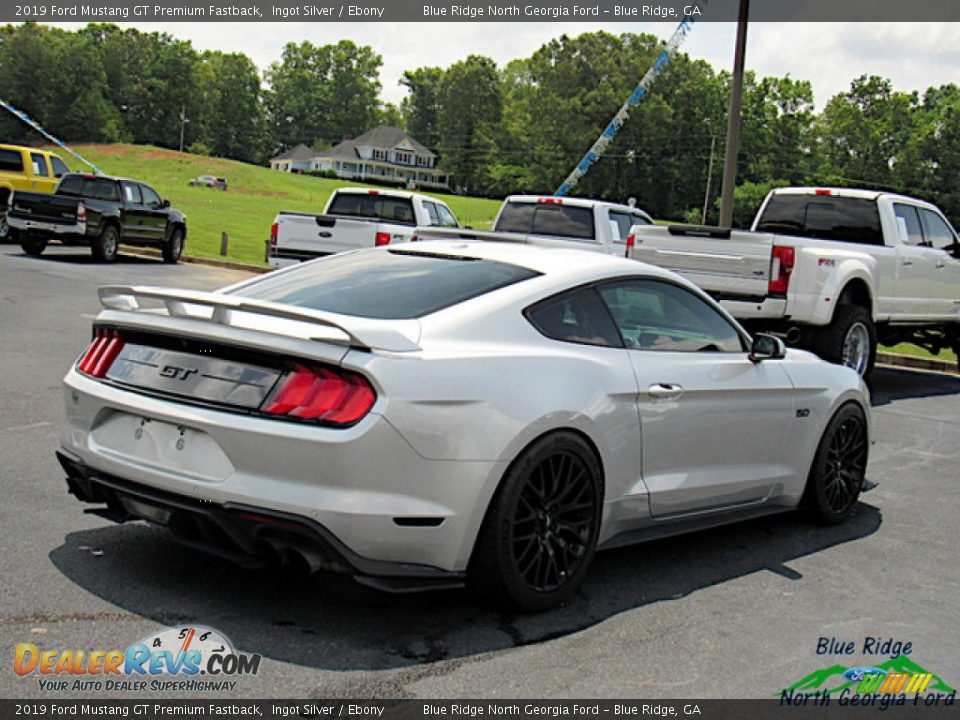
(353, 218)
(830, 269)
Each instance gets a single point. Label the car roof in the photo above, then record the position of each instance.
(386, 192)
(552, 261)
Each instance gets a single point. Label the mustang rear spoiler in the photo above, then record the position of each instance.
(363, 333)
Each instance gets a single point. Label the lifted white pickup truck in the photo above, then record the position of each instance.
(833, 270)
(353, 218)
(552, 221)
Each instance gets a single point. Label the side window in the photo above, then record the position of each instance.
(431, 212)
(59, 166)
(11, 161)
(640, 220)
(446, 217)
(131, 194)
(150, 198)
(908, 224)
(936, 230)
(39, 163)
(577, 317)
(624, 223)
(660, 316)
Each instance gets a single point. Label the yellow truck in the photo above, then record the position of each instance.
(25, 168)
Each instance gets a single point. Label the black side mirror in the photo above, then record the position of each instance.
(767, 347)
(164, 203)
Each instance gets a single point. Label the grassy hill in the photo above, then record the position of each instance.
(247, 209)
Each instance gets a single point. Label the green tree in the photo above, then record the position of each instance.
(421, 106)
(470, 114)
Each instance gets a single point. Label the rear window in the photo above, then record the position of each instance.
(844, 219)
(547, 219)
(389, 285)
(89, 187)
(11, 161)
(384, 207)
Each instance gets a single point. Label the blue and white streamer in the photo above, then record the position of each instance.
(36, 126)
(663, 59)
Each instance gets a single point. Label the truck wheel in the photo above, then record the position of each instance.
(850, 339)
(173, 247)
(104, 248)
(4, 228)
(33, 245)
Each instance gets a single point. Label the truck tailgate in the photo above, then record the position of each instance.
(61, 209)
(307, 234)
(728, 264)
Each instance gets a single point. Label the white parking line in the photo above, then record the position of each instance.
(31, 426)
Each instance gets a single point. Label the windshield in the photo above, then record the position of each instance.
(393, 284)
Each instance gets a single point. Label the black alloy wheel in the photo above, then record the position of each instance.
(553, 521)
(839, 468)
(540, 531)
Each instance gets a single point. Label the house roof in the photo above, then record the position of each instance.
(297, 152)
(384, 137)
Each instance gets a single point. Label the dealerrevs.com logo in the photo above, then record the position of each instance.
(181, 659)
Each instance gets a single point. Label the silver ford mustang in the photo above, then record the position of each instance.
(430, 414)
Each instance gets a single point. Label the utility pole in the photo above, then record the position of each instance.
(183, 124)
(733, 122)
(706, 194)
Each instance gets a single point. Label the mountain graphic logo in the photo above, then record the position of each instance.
(900, 674)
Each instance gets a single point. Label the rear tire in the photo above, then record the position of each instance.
(839, 468)
(540, 531)
(173, 247)
(850, 339)
(105, 247)
(33, 245)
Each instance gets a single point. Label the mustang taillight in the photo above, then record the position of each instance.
(104, 349)
(781, 265)
(332, 396)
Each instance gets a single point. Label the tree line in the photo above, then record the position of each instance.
(516, 128)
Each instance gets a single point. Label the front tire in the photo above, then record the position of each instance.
(106, 247)
(33, 245)
(839, 467)
(850, 339)
(540, 532)
(173, 247)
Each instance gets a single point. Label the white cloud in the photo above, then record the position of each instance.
(913, 55)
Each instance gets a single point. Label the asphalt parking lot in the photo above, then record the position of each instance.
(733, 612)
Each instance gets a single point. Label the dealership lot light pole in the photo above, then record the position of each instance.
(733, 120)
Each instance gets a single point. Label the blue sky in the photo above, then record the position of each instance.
(914, 55)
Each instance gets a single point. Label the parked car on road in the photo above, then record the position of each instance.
(830, 269)
(209, 181)
(557, 222)
(26, 168)
(99, 211)
(353, 218)
(429, 414)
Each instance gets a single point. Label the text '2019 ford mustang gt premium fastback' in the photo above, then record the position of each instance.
(426, 415)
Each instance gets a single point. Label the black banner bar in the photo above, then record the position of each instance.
(577, 11)
(878, 707)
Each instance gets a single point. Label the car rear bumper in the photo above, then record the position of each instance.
(249, 536)
(365, 486)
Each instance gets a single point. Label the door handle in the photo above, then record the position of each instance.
(941, 263)
(907, 262)
(665, 390)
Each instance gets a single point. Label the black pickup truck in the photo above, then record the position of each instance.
(99, 211)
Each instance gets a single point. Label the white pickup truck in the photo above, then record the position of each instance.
(832, 270)
(353, 218)
(556, 221)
